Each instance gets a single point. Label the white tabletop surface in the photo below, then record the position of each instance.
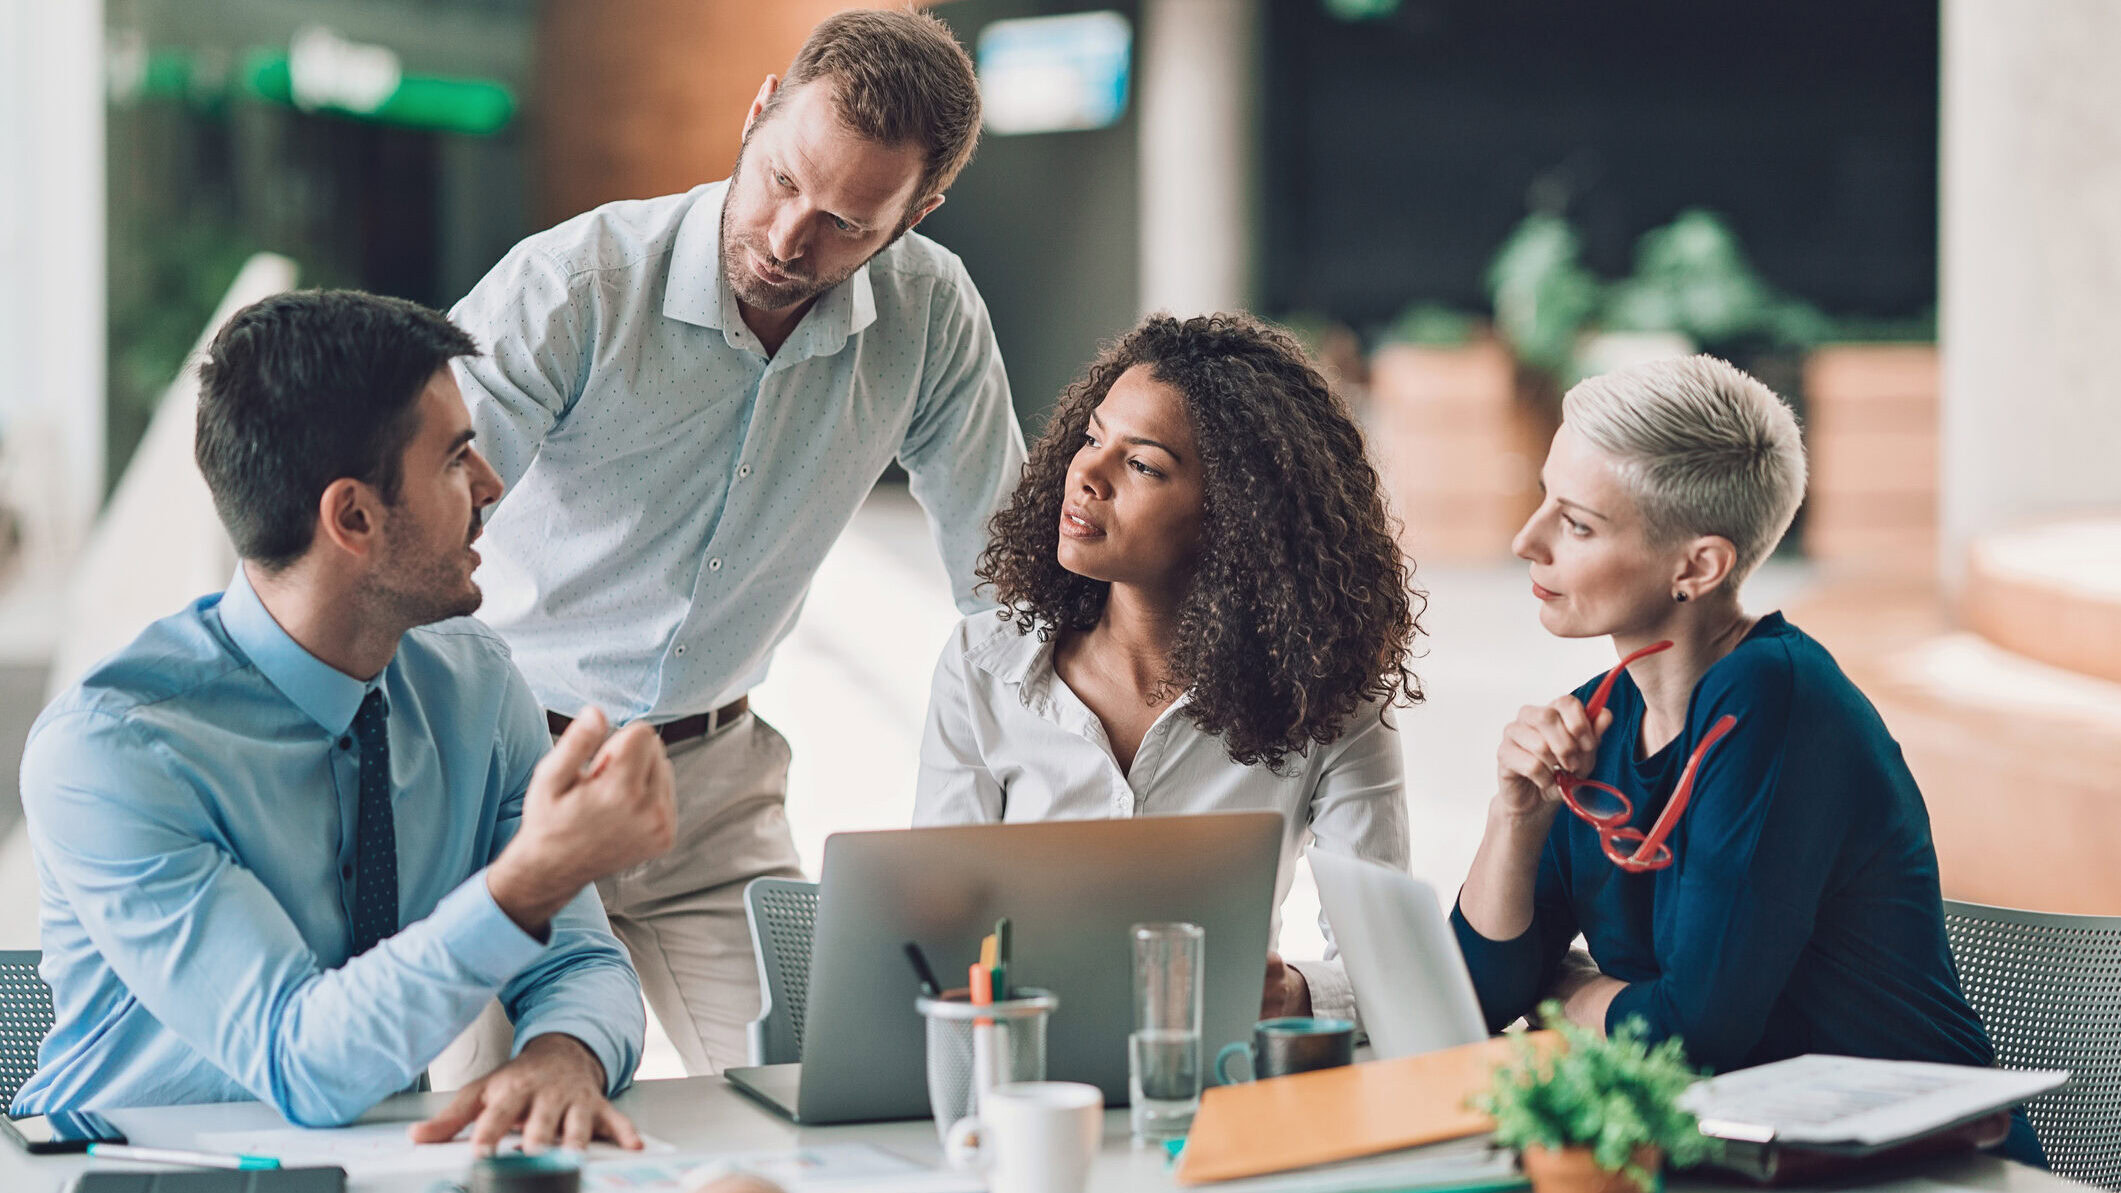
(704, 1115)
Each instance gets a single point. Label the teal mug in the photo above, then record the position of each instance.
(518, 1172)
(1279, 1047)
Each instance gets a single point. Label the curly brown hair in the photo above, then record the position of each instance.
(1301, 608)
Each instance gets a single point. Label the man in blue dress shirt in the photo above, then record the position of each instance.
(689, 398)
(293, 838)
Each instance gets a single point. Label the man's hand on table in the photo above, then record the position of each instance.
(553, 1090)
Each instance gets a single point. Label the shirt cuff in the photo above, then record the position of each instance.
(1332, 995)
(599, 1038)
(481, 937)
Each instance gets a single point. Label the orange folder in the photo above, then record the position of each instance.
(1344, 1113)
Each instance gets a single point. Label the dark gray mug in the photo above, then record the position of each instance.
(515, 1172)
(1280, 1047)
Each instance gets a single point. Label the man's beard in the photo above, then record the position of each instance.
(415, 592)
(755, 292)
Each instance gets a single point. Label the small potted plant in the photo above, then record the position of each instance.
(1601, 1114)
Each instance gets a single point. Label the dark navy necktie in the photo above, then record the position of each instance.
(375, 901)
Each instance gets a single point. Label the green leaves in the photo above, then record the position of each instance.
(1613, 1094)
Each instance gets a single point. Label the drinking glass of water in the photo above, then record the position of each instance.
(1163, 1053)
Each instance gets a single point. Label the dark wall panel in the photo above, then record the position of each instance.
(1401, 151)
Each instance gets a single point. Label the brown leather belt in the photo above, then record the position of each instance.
(681, 730)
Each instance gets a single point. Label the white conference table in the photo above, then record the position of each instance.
(704, 1115)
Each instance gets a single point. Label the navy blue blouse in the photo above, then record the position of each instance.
(1801, 912)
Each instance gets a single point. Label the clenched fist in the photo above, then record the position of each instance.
(1544, 739)
(598, 803)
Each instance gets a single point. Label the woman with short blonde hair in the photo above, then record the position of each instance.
(1723, 816)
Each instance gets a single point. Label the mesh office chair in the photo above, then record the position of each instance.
(2048, 988)
(25, 1019)
(783, 915)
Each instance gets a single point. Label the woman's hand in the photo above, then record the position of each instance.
(1285, 992)
(1544, 739)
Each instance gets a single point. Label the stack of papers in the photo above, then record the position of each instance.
(375, 1149)
(1855, 1104)
(841, 1166)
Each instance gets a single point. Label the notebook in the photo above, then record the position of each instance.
(1332, 1115)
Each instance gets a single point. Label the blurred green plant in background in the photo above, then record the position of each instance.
(1543, 293)
(1692, 277)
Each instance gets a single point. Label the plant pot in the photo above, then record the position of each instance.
(1459, 450)
(1576, 1170)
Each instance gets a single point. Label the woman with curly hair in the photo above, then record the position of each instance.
(1204, 609)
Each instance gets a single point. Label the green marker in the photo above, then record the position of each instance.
(1001, 954)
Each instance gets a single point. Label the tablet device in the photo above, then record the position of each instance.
(60, 1133)
(194, 1180)
(1410, 980)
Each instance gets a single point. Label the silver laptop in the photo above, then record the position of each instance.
(1071, 890)
(1410, 980)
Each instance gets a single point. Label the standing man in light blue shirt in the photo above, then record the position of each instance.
(690, 397)
(293, 838)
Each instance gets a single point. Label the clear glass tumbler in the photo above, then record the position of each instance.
(1163, 1053)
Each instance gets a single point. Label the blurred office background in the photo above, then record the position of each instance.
(1905, 215)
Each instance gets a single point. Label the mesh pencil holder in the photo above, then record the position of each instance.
(1014, 1031)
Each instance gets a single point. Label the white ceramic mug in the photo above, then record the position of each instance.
(1033, 1136)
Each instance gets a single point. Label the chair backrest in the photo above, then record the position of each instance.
(783, 915)
(2048, 988)
(25, 1019)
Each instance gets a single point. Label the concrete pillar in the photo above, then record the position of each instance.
(52, 266)
(1198, 89)
(2031, 264)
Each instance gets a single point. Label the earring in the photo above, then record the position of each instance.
(1680, 597)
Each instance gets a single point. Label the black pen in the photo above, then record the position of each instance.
(929, 986)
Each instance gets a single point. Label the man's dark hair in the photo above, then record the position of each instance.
(306, 388)
(898, 76)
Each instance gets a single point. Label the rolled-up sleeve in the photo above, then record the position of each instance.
(125, 837)
(535, 328)
(963, 451)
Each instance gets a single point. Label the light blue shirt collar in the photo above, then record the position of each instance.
(698, 292)
(325, 694)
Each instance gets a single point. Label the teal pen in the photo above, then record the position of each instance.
(171, 1155)
(1001, 953)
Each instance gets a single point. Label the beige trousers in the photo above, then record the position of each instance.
(681, 916)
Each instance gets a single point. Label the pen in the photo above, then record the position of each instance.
(171, 1155)
(1001, 957)
(929, 986)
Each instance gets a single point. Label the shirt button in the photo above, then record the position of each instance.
(743, 471)
(346, 743)
(714, 565)
(346, 871)
(681, 648)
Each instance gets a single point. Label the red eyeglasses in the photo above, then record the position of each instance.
(1605, 808)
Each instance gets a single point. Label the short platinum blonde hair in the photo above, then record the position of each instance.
(1705, 447)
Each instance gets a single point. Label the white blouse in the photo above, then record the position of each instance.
(1007, 740)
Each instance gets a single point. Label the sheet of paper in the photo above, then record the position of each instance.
(376, 1149)
(845, 1166)
(1845, 1099)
